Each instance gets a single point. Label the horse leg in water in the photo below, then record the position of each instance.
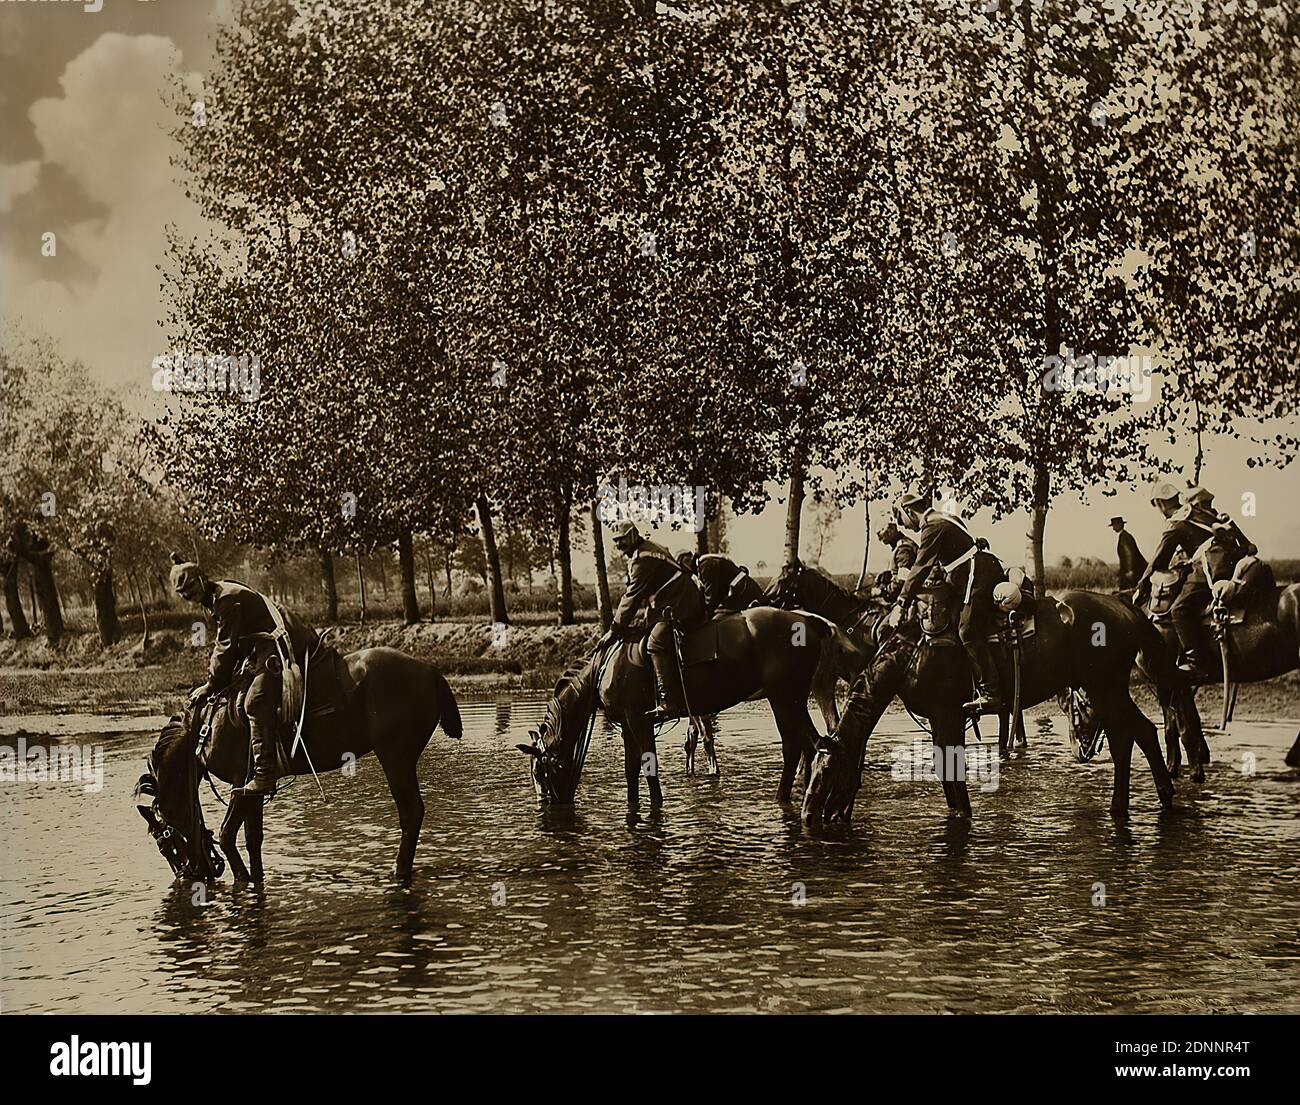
(710, 750)
(948, 732)
(1293, 757)
(823, 691)
(640, 757)
(798, 743)
(228, 837)
(404, 785)
(253, 835)
(1125, 724)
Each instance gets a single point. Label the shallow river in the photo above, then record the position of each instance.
(721, 902)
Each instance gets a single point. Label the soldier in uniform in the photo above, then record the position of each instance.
(1213, 543)
(903, 557)
(245, 623)
(658, 584)
(972, 570)
(727, 586)
(1131, 561)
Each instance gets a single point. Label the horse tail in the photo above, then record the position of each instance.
(448, 708)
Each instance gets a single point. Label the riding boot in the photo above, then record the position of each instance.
(986, 700)
(668, 688)
(262, 740)
(1196, 664)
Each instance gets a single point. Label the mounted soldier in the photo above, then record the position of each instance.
(251, 630)
(1131, 561)
(1213, 543)
(727, 586)
(659, 585)
(945, 542)
(902, 559)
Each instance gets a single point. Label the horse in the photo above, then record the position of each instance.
(396, 701)
(761, 652)
(1257, 622)
(858, 622)
(1083, 639)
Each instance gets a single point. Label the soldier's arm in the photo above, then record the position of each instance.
(1160, 560)
(225, 655)
(638, 590)
(927, 556)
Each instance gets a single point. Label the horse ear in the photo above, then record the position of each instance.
(528, 750)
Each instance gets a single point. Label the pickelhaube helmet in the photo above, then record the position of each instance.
(1162, 491)
(1196, 496)
(624, 529)
(183, 572)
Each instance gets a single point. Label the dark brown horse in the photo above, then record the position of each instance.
(1261, 640)
(1084, 639)
(395, 703)
(1259, 633)
(760, 653)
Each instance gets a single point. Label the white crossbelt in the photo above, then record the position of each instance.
(969, 554)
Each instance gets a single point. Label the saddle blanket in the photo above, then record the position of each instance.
(699, 646)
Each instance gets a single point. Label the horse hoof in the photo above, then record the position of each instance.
(1198, 776)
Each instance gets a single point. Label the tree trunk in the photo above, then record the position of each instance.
(361, 582)
(603, 604)
(47, 595)
(110, 629)
(866, 542)
(566, 563)
(493, 557)
(428, 572)
(329, 585)
(448, 560)
(138, 594)
(14, 598)
(794, 509)
(1038, 524)
(406, 561)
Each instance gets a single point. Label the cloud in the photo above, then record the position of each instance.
(110, 132)
(16, 180)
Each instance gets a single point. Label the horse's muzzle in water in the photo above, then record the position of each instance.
(829, 796)
(172, 843)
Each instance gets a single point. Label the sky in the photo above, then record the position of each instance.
(84, 148)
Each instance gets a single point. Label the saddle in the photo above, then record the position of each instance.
(940, 610)
(699, 646)
(1230, 598)
(330, 689)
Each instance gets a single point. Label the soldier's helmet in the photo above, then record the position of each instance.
(184, 574)
(1162, 492)
(625, 532)
(1196, 496)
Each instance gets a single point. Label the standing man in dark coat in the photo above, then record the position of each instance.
(660, 586)
(249, 626)
(901, 560)
(973, 572)
(1131, 561)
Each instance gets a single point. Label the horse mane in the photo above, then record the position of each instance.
(573, 689)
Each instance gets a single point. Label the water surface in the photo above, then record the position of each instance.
(721, 902)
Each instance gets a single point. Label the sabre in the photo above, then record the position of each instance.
(297, 737)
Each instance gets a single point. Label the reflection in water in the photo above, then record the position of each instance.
(720, 901)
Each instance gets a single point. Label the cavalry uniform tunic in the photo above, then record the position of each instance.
(657, 583)
(943, 542)
(1195, 531)
(727, 586)
(240, 612)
